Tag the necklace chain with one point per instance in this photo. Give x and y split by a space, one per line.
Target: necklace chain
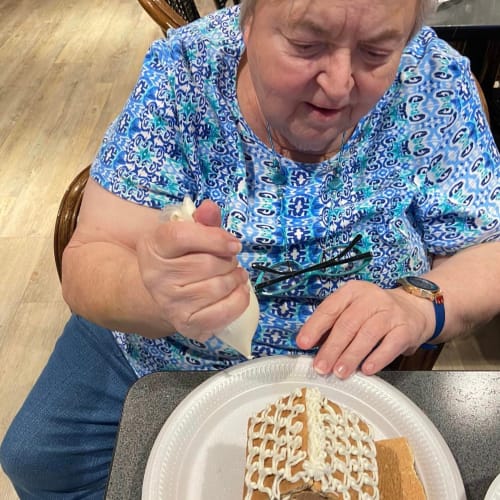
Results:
280 180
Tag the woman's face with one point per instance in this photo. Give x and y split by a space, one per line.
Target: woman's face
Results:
318 66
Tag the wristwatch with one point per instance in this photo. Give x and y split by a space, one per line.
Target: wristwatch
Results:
426 289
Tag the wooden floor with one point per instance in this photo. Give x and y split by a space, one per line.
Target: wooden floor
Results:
67 67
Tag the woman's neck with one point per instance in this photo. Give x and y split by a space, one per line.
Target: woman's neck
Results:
307 157
251 110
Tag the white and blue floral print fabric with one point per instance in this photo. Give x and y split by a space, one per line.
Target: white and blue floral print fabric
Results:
419 176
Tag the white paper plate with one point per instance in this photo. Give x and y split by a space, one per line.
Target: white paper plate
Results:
200 450
493 492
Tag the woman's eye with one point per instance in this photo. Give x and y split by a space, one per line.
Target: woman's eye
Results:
303 48
374 55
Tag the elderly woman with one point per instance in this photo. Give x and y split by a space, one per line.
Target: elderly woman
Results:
336 133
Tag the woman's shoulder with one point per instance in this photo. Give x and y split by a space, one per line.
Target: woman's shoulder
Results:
436 75
217 32
426 52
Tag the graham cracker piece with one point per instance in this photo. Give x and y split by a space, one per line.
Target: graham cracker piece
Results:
265 425
277 471
397 476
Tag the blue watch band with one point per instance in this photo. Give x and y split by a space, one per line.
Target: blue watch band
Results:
438 304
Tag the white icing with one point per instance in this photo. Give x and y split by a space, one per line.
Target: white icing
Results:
281 441
240 332
336 445
179 212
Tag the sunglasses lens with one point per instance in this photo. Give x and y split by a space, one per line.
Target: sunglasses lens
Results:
285 285
353 267
279 278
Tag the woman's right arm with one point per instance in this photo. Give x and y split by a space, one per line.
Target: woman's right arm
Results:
125 270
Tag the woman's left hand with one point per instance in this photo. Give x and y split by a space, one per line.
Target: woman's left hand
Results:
363 325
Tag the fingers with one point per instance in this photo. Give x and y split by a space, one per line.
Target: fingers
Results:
328 313
202 293
191 268
175 239
191 271
208 214
333 326
202 308
386 352
361 326
197 293
373 346
207 321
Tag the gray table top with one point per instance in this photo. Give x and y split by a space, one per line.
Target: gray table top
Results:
467 13
464 407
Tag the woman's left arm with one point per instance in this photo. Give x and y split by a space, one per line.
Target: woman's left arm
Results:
363 325
470 281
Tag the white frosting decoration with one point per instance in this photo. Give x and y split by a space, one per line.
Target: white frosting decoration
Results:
240 332
337 446
279 431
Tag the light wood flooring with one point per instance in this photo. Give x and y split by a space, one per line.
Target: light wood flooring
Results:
66 68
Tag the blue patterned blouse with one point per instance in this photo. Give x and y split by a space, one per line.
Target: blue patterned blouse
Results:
418 176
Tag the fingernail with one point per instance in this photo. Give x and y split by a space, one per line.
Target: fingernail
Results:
234 246
321 367
302 341
340 371
368 368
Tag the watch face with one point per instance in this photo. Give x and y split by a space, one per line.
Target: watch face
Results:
422 283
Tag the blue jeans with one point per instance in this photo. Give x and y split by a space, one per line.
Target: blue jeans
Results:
60 444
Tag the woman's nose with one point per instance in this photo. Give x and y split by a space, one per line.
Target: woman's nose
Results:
336 78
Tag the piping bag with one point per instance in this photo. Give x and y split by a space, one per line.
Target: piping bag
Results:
240 332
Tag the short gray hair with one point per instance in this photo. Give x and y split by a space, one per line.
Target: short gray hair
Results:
425 8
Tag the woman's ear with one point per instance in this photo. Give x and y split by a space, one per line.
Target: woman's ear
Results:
247 27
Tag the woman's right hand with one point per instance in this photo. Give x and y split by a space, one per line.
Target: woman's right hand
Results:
191 271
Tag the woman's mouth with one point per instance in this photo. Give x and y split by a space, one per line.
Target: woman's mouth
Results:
324 112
